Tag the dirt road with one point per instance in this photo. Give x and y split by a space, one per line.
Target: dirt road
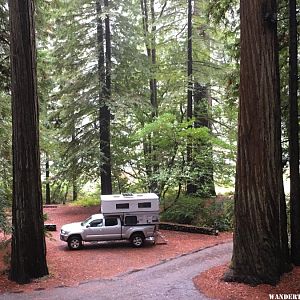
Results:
168 280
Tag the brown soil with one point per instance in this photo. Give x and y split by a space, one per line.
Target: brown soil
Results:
211 285
103 260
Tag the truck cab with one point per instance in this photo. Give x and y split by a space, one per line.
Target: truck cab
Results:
100 228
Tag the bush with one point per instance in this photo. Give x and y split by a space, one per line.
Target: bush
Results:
201 212
88 199
184 211
219 215
4 224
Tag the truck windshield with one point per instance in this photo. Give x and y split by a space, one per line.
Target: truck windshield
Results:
86 221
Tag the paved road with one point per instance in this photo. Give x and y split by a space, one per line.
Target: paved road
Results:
168 280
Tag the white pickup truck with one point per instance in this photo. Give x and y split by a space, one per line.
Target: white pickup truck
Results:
106 228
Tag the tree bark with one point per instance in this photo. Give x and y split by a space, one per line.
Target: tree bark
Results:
153 80
48 191
294 135
190 63
204 183
104 70
260 239
74 165
191 187
149 30
28 254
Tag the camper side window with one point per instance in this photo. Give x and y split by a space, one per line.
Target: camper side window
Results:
122 205
144 205
111 222
130 220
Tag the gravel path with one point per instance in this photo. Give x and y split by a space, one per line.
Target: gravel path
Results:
168 280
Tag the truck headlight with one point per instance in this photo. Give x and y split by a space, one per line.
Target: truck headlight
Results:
64 232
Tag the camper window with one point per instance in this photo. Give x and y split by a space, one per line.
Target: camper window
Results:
131 220
122 205
144 205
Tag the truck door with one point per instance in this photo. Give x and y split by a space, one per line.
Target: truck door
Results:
93 232
111 229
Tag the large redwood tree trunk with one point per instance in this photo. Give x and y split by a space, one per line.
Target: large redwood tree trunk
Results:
294 134
260 253
28 256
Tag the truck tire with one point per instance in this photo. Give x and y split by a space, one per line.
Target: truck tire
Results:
75 242
137 240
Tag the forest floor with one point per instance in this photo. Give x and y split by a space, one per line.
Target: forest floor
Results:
103 260
106 260
210 283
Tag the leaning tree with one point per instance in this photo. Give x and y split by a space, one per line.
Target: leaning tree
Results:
260 251
28 256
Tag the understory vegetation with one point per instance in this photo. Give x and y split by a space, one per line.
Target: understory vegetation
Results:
214 212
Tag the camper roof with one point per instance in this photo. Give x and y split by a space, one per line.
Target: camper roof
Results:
129 196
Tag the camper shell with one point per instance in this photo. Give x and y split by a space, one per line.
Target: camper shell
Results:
133 209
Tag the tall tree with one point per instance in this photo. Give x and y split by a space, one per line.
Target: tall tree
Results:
104 69
189 114
204 183
149 32
28 256
294 134
260 251
199 104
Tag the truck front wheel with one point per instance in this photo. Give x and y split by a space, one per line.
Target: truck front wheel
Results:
75 242
137 240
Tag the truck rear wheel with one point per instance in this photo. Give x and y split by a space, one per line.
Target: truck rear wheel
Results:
137 240
75 242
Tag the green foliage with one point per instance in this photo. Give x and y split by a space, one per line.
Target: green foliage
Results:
68 88
5 248
4 47
201 212
184 211
88 199
218 214
4 223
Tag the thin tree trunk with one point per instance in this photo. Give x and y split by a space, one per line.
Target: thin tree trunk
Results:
104 69
48 191
294 135
28 254
190 63
74 168
153 81
260 238
74 188
150 43
65 198
190 189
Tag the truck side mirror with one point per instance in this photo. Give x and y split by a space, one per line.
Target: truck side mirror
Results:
88 226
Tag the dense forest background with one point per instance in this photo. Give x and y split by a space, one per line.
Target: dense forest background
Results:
136 95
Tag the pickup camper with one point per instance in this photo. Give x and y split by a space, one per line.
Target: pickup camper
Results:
132 217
